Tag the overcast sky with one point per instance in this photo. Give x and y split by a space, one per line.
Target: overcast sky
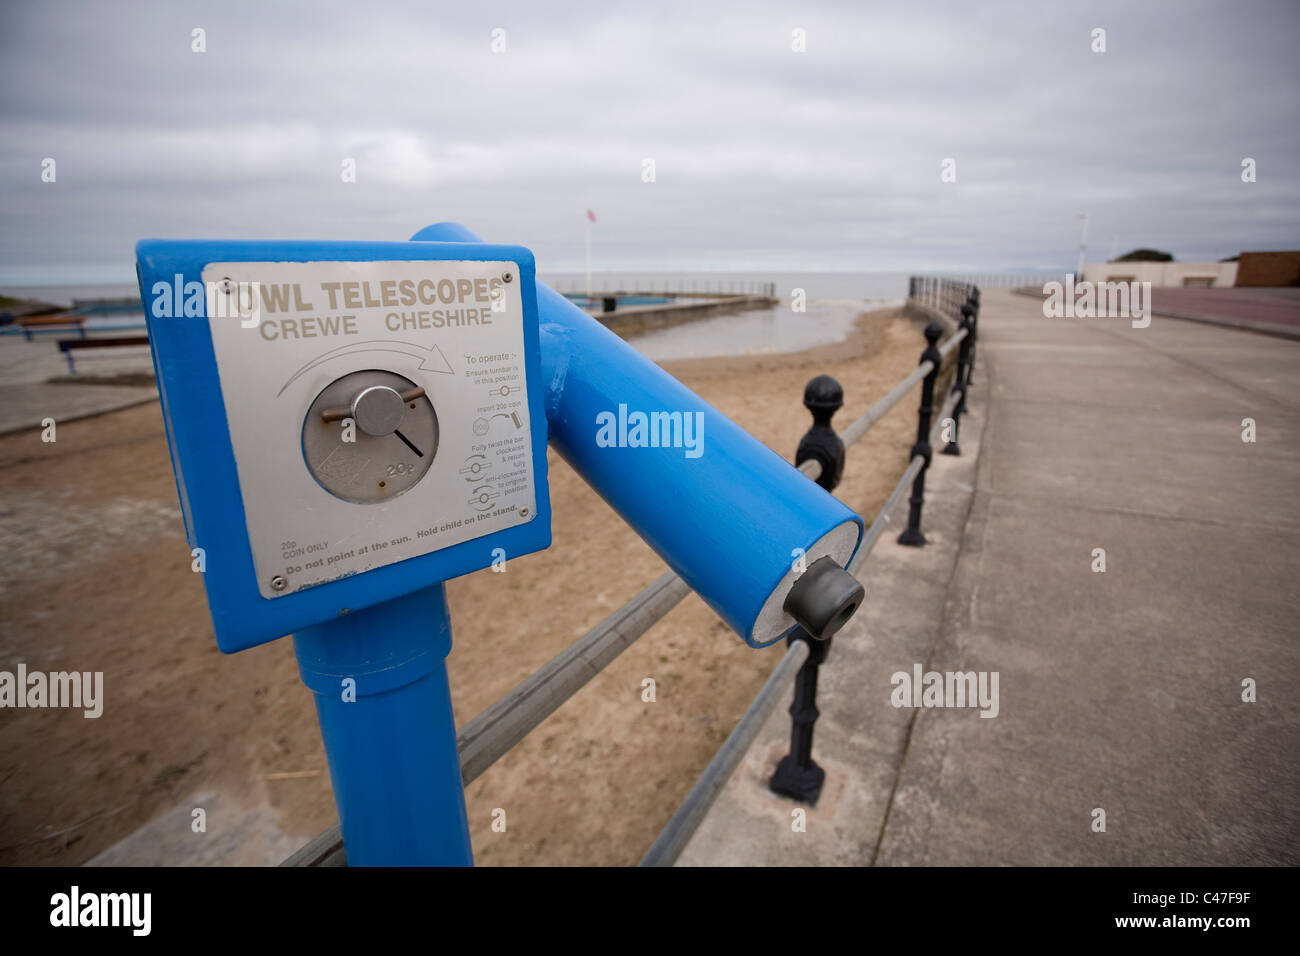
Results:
764 158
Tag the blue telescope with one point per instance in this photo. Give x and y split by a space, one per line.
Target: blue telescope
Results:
351 424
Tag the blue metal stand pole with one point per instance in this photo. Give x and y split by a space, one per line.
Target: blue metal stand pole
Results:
380 679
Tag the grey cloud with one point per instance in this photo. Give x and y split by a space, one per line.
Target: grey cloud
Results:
765 158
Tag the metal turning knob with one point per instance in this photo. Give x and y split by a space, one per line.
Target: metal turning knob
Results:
378 410
824 598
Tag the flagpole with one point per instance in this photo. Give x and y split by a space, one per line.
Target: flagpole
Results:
588 256
1083 247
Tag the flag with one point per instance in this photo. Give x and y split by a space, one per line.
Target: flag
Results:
591 215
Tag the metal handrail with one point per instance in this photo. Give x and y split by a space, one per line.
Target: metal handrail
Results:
683 824
491 734
673 838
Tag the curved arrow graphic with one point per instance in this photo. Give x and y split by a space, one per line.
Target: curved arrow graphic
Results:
431 359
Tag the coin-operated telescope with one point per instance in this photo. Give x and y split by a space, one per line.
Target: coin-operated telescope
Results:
353 423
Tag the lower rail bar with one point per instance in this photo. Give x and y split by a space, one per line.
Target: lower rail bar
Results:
665 850
483 740
489 735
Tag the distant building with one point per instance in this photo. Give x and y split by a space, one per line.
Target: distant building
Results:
1268 268
1203 274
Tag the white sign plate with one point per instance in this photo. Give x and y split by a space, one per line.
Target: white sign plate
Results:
453 328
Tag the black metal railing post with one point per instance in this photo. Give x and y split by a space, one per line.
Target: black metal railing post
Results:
959 380
912 535
797 775
974 334
823 397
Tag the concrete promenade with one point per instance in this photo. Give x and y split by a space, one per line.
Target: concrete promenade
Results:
1119 691
27 398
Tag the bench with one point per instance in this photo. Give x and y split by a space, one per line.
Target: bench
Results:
69 346
58 322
